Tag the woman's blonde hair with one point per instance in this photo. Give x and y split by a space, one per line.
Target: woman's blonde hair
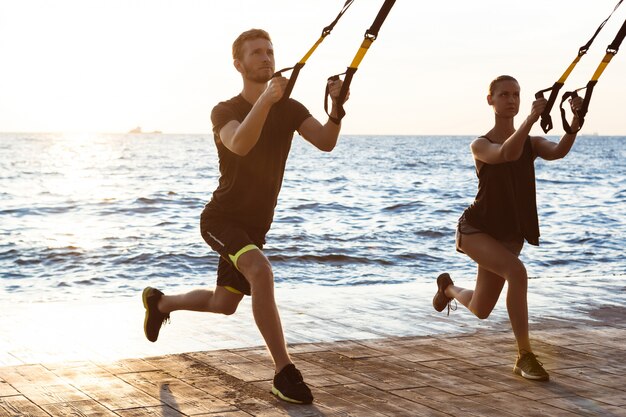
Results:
494 83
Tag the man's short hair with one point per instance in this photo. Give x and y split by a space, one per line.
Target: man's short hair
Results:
247 36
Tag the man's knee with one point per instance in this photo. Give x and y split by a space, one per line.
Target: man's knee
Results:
262 278
259 274
225 301
226 308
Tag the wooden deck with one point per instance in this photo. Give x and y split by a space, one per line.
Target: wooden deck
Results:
459 375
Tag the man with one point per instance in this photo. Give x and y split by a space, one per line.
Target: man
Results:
253 133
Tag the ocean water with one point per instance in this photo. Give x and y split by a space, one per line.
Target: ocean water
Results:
84 216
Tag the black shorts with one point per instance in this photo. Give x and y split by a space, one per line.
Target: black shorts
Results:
514 245
230 240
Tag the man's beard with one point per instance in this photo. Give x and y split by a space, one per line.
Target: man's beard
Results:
257 76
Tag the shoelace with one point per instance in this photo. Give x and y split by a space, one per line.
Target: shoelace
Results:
450 305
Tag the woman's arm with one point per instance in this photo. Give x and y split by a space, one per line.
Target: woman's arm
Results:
511 149
549 150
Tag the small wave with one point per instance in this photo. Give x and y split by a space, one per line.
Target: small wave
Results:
290 219
9 254
12 275
27 262
49 256
556 181
38 211
322 207
404 207
146 200
619 195
92 281
334 259
166 223
432 233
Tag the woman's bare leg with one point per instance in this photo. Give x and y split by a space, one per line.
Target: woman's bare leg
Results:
496 263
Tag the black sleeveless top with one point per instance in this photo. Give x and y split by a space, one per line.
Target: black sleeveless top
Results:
505 206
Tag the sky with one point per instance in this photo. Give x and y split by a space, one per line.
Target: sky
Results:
112 65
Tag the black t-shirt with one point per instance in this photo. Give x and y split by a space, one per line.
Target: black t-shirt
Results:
249 185
505 206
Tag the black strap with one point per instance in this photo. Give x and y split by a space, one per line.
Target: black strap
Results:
370 36
583 49
296 68
611 51
613 47
372 32
546 119
566 125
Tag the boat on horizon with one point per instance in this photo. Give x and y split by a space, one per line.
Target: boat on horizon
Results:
138 130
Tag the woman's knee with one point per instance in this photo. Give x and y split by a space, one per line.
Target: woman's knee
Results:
482 312
517 274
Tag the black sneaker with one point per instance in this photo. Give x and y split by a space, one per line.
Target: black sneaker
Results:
441 300
289 386
529 367
154 318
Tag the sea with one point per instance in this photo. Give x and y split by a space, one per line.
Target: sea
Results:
90 216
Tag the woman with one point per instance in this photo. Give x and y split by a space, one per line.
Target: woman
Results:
492 230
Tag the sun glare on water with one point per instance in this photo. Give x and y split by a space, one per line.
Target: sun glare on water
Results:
71 188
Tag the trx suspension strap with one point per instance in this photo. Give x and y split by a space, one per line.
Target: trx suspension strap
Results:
370 36
296 69
546 120
611 51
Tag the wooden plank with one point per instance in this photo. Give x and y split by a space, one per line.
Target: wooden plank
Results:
28 374
442 375
42 394
443 402
342 406
159 411
520 406
585 406
128 365
20 406
78 409
585 389
381 402
176 393
114 393
7 390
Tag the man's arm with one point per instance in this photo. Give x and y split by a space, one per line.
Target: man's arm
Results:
324 137
240 138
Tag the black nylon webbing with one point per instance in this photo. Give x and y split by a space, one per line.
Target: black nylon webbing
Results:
611 51
296 68
546 119
370 36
